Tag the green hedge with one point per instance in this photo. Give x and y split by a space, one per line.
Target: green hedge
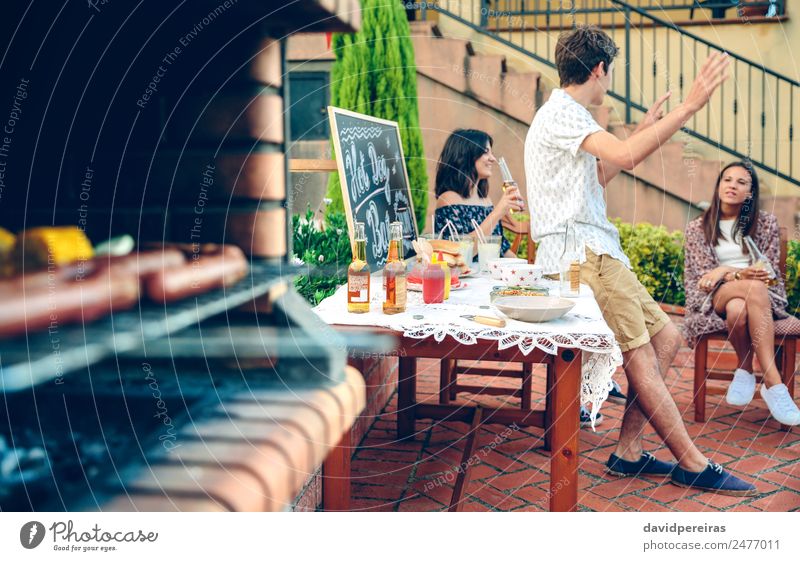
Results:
326 252
656 256
792 265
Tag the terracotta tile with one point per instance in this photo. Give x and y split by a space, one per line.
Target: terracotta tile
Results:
492 496
598 504
754 464
781 479
613 489
641 504
475 506
534 495
512 481
687 505
371 505
383 492
783 501
441 493
420 504
667 493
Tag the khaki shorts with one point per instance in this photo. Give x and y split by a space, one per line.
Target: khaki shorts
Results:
627 307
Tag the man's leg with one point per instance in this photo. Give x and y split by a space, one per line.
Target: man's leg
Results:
658 407
666 344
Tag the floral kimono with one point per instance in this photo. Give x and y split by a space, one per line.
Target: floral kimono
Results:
701 258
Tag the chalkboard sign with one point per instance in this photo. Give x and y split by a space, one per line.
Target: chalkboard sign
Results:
372 172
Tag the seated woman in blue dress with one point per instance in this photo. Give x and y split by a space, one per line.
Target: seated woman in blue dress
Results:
462 188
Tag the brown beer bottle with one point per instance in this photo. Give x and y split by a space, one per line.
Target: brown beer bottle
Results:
394 273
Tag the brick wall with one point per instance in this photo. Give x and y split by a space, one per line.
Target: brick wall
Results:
380 375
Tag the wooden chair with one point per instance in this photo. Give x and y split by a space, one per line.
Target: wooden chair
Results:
449 386
787 332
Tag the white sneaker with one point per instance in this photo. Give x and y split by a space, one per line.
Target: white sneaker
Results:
742 388
780 404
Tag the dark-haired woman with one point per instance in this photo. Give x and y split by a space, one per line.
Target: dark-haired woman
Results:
462 188
725 291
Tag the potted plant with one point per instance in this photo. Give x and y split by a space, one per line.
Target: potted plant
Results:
760 9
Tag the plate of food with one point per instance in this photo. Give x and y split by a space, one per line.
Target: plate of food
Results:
534 310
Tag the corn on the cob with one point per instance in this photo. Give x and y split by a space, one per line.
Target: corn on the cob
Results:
7 240
39 248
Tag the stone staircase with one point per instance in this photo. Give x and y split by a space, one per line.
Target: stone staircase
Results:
486 78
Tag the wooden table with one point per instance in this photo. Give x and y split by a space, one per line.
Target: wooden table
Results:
561 431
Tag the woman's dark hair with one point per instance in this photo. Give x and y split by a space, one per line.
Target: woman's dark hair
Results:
578 51
456 168
746 224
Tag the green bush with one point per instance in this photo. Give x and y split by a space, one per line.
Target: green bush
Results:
792 264
656 256
326 252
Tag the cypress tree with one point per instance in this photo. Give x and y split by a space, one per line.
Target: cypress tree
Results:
375 74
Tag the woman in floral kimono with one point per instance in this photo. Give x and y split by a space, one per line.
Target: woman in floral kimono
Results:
725 291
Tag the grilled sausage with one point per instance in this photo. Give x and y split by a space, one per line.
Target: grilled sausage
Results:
201 274
66 302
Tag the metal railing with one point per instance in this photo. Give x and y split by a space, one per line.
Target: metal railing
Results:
771 8
751 117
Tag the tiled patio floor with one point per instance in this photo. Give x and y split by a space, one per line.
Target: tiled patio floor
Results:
513 473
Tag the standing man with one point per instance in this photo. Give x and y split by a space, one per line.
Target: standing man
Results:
569 160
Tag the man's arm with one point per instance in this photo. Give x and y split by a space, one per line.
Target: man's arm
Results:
606 171
627 153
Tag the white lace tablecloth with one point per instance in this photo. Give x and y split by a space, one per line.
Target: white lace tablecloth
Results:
583 327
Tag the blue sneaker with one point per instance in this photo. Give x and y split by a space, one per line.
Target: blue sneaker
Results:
616 394
646 465
713 479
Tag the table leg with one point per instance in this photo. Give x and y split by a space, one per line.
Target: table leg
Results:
406 397
564 431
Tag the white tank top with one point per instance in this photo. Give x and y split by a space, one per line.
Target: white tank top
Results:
729 252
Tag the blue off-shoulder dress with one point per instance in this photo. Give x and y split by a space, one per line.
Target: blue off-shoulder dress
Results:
461 216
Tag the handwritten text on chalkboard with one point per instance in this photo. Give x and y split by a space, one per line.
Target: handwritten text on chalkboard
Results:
374 179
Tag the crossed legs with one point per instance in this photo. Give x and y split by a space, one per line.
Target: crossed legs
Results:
748 314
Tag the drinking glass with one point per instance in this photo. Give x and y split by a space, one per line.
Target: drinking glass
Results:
488 249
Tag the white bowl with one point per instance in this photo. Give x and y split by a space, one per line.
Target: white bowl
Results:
535 309
524 275
496 264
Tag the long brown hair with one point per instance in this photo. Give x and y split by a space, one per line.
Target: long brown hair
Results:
456 168
748 213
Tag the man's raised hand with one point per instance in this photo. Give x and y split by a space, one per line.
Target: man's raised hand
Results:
712 74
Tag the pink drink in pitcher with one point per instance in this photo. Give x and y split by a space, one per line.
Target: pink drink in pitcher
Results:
433 284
